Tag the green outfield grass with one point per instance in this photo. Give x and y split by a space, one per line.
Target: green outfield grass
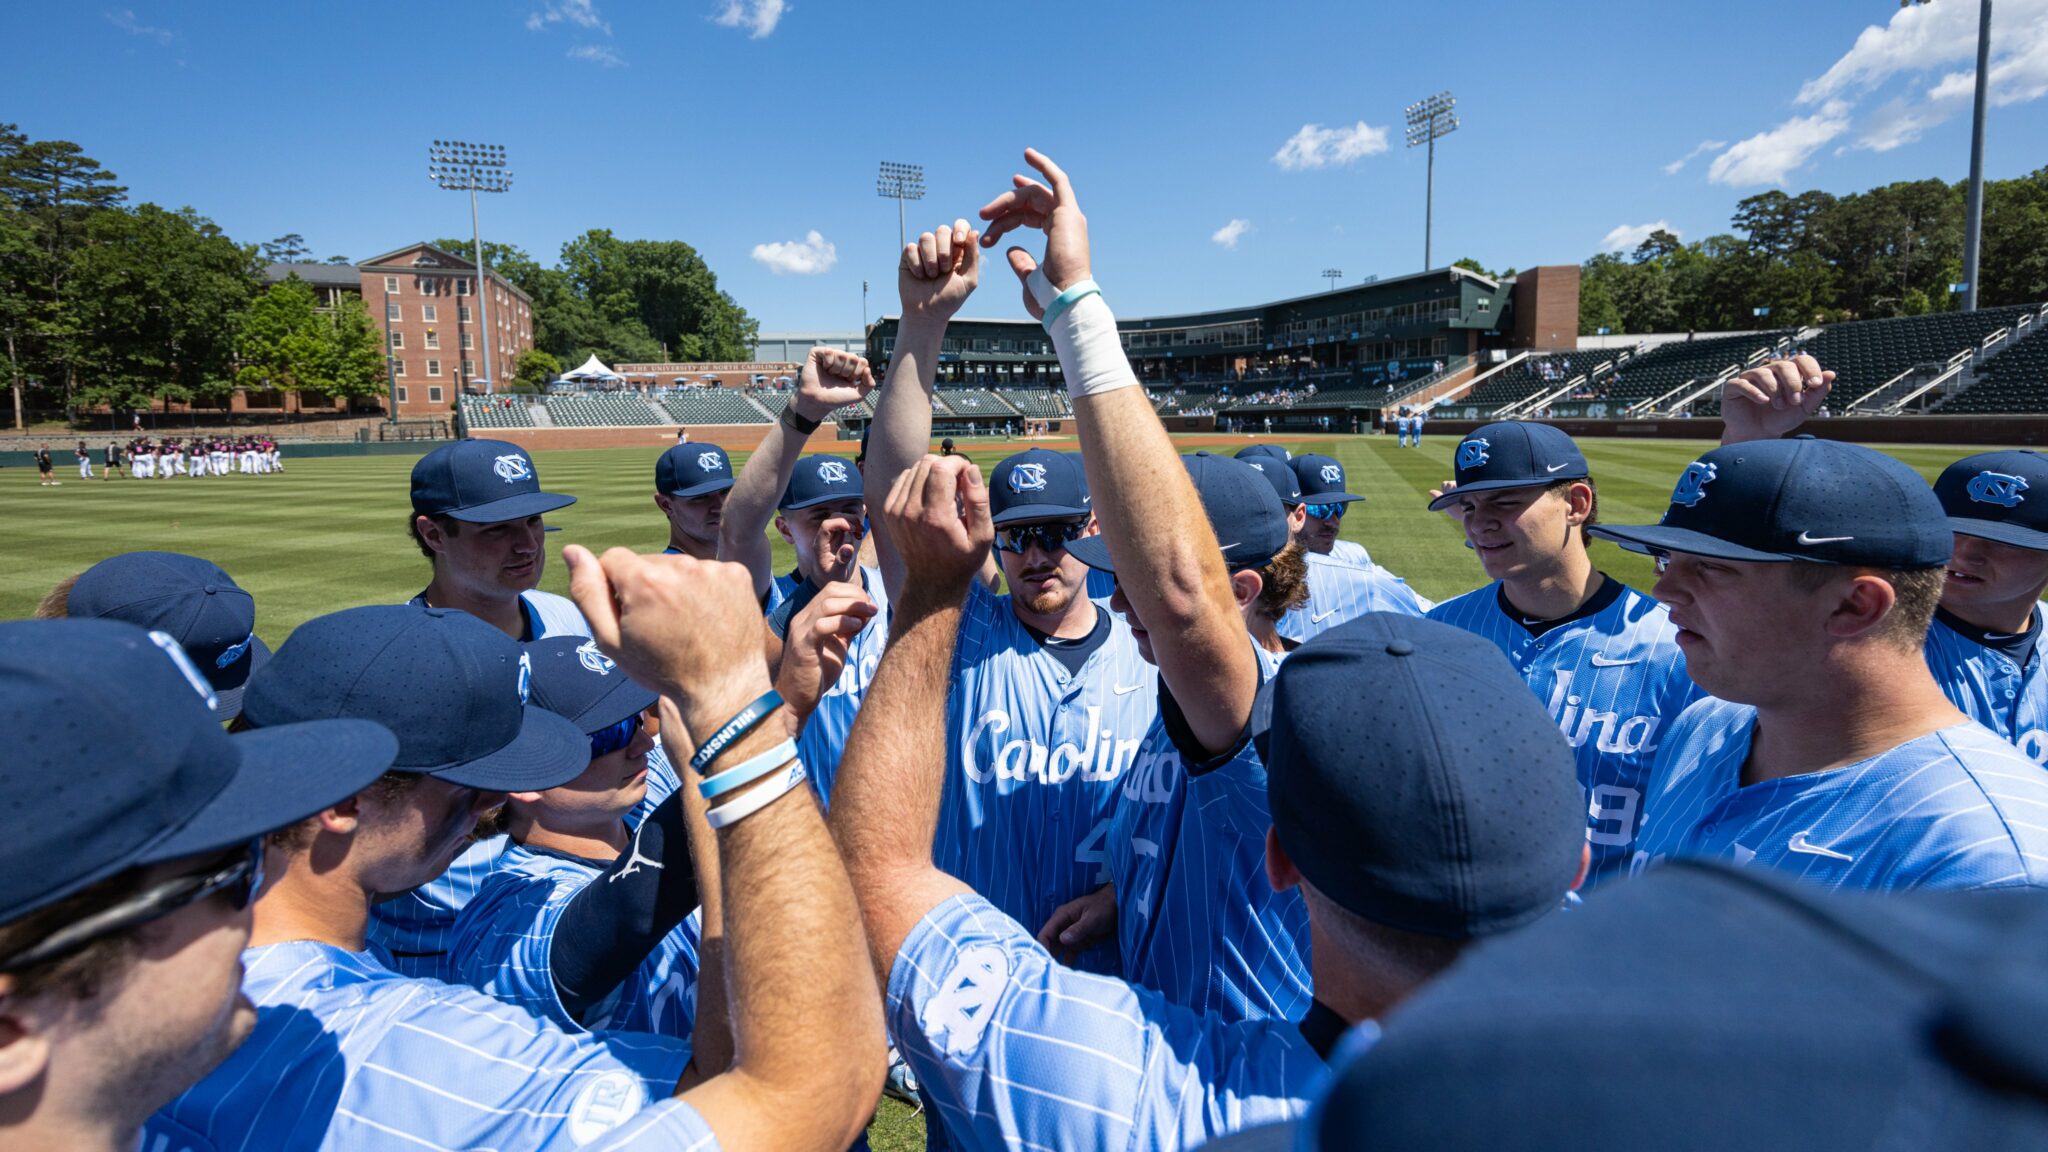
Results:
329 533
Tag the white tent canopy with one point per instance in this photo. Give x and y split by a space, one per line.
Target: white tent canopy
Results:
592 369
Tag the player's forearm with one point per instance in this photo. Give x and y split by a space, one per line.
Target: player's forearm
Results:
711 1031
751 504
902 430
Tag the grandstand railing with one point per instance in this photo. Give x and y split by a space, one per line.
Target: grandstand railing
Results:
1452 367
1875 397
1535 403
1956 366
1468 385
1722 377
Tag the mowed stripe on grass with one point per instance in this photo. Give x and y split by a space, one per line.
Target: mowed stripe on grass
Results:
329 533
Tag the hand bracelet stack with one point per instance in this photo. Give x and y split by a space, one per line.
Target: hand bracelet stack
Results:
779 758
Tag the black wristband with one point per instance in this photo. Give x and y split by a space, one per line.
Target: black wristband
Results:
796 422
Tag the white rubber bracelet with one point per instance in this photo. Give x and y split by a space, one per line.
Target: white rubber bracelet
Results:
734 811
1091 355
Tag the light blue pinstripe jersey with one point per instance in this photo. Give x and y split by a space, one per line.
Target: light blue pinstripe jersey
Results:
824 735
1016 1052
347 1054
504 945
1349 552
1614 682
1196 917
1992 690
1033 756
1957 808
1340 591
415 928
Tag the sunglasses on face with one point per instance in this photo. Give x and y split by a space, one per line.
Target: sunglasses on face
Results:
1049 537
1325 511
240 874
606 741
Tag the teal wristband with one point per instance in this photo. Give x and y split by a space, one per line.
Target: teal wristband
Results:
1074 294
748 772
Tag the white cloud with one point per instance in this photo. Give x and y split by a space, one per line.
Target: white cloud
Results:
126 20
758 17
1625 237
1770 157
806 257
1704 147
597 54
1230 233
1318 147
581 13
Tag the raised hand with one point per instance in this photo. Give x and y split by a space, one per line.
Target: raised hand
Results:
1772 399
938 520
830 380
1053 210
686 628
939 271
814 652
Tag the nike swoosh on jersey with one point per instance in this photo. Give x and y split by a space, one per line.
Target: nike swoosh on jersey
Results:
1809 538
1319 617
1601 661
1124 689
1799 843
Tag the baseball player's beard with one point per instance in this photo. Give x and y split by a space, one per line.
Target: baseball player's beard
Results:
1050 601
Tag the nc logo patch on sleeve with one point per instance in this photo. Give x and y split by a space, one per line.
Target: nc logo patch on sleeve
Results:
1472 453
966 1001
1997 488
512 468
1692 487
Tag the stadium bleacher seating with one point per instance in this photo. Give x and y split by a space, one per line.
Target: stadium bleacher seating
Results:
1047 405
773 399
1525 379
1652 373
976 403
2014 380
600 410
1865 354
496 412
713 406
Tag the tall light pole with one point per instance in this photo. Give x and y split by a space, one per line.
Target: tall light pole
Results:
1333 275
1427 120
461 167
900 182
1973 225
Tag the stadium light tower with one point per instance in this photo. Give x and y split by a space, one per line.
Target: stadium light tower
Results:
1973 225
1333 275
1427 121
461 167
900 182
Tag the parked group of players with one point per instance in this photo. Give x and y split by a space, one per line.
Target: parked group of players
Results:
1207 827
147 459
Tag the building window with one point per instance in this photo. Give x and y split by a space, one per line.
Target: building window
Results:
434 395
402 395
462 287
468 369
468 341
397 340
462 313
425 285
1485 305
391 283
433 367
433 340
430 314
394 312
397 367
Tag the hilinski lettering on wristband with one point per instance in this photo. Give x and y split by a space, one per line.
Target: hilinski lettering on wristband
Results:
733 729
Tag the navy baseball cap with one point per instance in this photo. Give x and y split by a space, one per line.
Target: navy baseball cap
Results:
481 482
572 678
1512 454
1277 473
1821 501
820 479
1322 479
1037 484
693 470
1273 450
1414 787
1998 496
1718 1008
189 599
116 760
453 689
1247 517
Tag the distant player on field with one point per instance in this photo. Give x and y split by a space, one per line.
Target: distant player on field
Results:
44 467
1602 656
690 486
1802 575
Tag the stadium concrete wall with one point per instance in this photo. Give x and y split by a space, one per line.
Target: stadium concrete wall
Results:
1985 430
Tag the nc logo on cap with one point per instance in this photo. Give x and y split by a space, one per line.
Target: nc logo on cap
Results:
1333 474
832 472
525 678
709 461
1256 464
588 655
1027 478
1692 487
1997 488
512 468
1472 453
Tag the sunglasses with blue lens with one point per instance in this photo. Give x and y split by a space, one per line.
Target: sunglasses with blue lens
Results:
1326 511
1050 538
606 741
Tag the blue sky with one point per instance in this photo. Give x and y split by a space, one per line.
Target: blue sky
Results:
746 126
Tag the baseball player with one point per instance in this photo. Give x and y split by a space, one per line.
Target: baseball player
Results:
1403 422
124 905
84 456
690 484
221 460
202 460
347 1053
1420 418
1802 575
113 461
1402 849
1602 656
44 476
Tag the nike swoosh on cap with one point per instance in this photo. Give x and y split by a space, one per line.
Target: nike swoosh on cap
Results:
1555 467
1806 537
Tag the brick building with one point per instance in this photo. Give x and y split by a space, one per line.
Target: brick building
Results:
433 324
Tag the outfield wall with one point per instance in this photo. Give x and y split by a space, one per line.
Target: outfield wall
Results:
2000 431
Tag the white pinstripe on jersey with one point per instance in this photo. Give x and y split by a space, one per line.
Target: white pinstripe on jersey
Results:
1956 808
1992 690
1349 552
824 734
1340 591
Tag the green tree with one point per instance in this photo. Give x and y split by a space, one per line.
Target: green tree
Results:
289 248
355 351
282 341
1471 265
534 368
2013 268
52 189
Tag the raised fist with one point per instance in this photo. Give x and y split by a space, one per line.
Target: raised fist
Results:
830 380
939 271
1772 399
1056 212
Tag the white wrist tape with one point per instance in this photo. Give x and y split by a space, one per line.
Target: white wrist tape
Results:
1091 355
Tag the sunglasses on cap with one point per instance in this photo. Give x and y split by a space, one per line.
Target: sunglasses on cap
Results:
606 741
239 873
1325 511
1053 537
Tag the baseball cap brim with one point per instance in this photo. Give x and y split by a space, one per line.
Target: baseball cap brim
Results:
549 751
1324 498
2000 532
511 508
1094 552
1443 501
825 499
1644 537
704 489
286 774
625 699
1024 512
